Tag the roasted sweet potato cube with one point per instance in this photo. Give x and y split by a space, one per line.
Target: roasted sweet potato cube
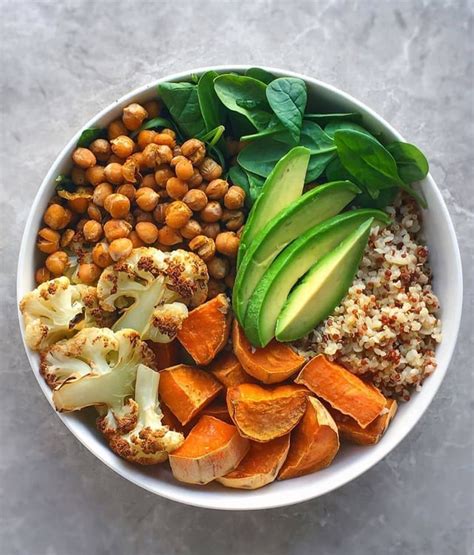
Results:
166 354
272 364
212 449
228 370
265 413
186 390
218 409
260 466
350 430
205 331
313 444
342 390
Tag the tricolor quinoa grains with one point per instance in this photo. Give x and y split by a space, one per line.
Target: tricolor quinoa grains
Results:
387 326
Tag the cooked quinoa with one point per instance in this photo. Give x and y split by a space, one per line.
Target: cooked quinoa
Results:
386 328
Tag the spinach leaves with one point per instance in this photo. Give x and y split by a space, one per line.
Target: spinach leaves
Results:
287 98
411 162
90 135
182 102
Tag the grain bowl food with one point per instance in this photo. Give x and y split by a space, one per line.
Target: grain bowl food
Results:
208 264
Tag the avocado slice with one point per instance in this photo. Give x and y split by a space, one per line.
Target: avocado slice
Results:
273 289
284 185
312 208
323 287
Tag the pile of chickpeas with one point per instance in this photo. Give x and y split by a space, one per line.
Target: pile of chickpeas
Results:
142 189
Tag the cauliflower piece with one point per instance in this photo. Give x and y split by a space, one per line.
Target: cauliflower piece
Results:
154 288
98 367
57 309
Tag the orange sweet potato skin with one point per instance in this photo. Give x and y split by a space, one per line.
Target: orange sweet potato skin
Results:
228 370
342 390
206 330
273 364
350 430
314 442
262 414
186 390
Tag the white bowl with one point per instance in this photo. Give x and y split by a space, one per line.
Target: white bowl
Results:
351 461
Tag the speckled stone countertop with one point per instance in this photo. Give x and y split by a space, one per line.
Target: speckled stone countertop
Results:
62 62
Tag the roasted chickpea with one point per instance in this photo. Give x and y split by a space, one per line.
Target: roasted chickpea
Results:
88 273
227 243
92 231
95 175
80 224
177 159
94 212
101 192
212 212
211 230
215 288
217 189
145 138
57 217
131 169
100 148
117 205
184 169
115 129
229 280
195 150
210 169
120 248
78 176
196 179
154 155
203 246
84 158
116 229
142 216
195 199
162 174
122 146
218 267
191 229
149 181
147 232
113 173
133 116
42 275
176 149
78 205
67 237
48 240
234 198
101 256
147 199
169 236
164 139
159 213
57 263
176 188
170 132
128 190
233 219
135 239
153 108
178 214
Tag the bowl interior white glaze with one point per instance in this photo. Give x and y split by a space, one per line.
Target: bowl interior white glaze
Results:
351 461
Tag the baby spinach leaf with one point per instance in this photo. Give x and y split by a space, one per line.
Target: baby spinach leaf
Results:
334 126
317 140
260 156
246 96
274 127
252 184
260 74
386 197
327 118
335 171
90 135
182 101
64 183
211 108
412 164
287 97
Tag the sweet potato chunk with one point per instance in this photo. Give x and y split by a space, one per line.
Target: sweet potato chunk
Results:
263 414
206 330
212 449
273 364
218 409
170 420
166 354
314 442
186 390
351 431
228 370
342 390
260 466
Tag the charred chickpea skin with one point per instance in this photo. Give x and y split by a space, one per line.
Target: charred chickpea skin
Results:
217 189
234 198
117 205
133 116
203 246
116 229
42 275
92 231
177 215
227 243
194 150
123 146
101 256
56 216
84 158
88 273
218 267
146 199
195 199
101 149
120 248
142 216
210 169
212 212
147 232
191 229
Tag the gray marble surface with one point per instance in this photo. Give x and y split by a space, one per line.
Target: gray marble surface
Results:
62 62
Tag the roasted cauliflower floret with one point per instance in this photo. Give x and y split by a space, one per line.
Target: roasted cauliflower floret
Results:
153 289
110 371
57 309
